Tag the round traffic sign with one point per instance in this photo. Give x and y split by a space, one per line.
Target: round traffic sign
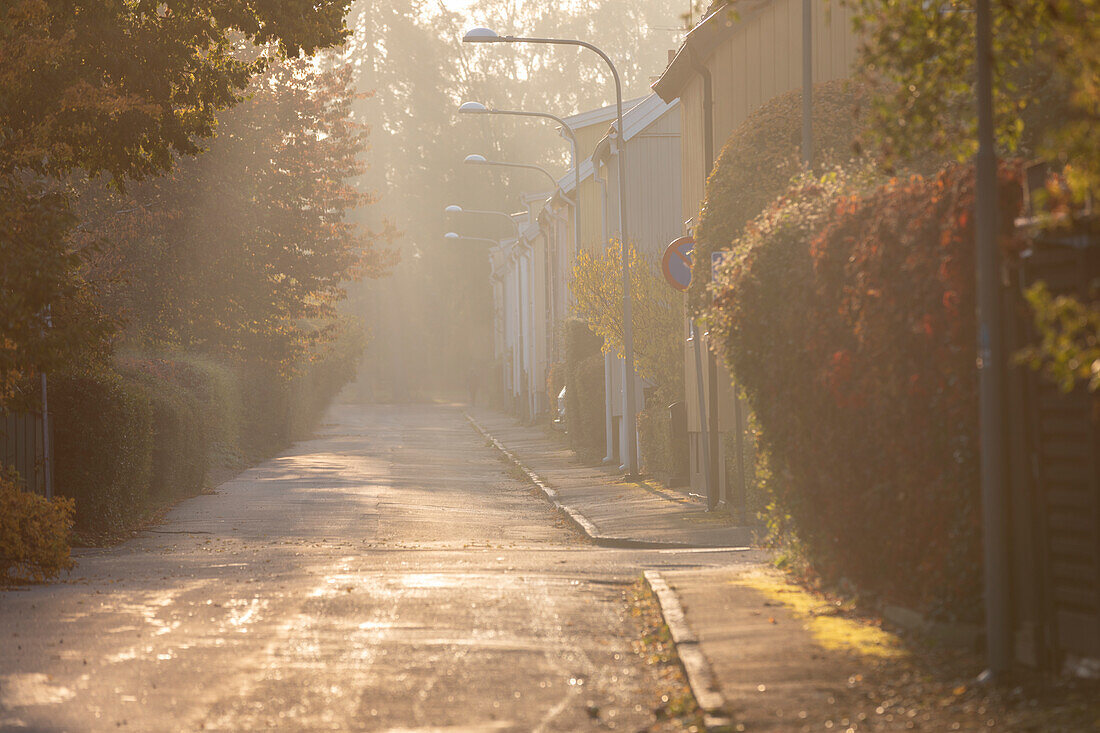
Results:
676 264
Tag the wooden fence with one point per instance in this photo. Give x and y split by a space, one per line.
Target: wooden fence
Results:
1054 477
21 448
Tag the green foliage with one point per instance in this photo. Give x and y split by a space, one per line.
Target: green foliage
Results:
1069 331
41 278
216 387
584 389
656 310
103 443
125 88
920 57
847 314
34 533
129 90
180 445
246 250
760 158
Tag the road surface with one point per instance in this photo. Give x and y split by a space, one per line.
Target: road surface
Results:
389 574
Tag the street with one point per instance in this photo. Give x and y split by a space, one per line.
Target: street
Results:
390 574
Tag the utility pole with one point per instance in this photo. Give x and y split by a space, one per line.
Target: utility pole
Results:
990 357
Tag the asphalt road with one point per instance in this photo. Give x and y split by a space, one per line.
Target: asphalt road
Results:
388 575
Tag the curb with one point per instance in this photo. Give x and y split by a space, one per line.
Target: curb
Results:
695 665
581 522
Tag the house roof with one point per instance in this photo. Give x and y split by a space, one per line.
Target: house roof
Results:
700 43
644 114
598 115
567 182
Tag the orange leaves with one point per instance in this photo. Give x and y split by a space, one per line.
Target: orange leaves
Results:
849 321
34 533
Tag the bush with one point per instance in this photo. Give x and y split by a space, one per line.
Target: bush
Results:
216 387
857 354
663 455
146 434
762 156
103 432
34 533
584 389
180 446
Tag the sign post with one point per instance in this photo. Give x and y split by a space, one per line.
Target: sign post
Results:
676 266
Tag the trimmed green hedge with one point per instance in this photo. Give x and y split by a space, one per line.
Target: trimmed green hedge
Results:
103 446
180 445
144 432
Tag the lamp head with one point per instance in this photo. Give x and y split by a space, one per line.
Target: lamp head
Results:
473 108
480 35
475 159
451 235
453 209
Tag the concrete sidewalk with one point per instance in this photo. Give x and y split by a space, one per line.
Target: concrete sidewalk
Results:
610 511
760 653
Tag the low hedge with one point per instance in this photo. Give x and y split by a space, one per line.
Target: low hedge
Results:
216 387
846 312
315 385
103 446
145 431
180 445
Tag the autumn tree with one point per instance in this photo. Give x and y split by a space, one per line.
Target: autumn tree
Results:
120 89
245 249
920 60
920 57
657 311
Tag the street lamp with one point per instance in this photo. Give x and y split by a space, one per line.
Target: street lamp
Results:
479 108
456 237
486 35
475 159
455 209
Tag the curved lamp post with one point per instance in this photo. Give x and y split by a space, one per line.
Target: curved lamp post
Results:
456 237
476 159
455 209
486 35
478 108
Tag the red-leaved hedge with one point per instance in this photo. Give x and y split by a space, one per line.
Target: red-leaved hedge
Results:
847 313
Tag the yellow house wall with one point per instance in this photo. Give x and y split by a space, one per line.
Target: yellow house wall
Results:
762 60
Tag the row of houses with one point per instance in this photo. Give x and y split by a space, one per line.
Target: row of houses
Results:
732 62
741 56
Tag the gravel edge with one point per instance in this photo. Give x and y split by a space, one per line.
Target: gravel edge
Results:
695 665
